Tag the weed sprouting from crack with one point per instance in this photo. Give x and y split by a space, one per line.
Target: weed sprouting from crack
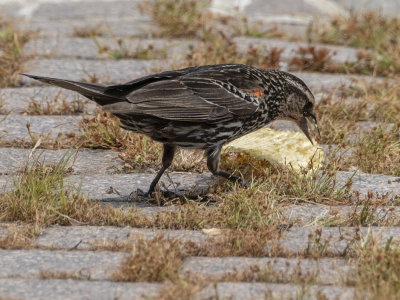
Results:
122 51
58 105
377 270
12 57
182 18
154 260
375 150
371 30
313 59
87 31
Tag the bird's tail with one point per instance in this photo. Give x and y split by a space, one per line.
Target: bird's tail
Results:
94 92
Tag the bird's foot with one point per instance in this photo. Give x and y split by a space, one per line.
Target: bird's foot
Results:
151 194
243 183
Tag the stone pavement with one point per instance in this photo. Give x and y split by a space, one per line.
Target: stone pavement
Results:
65 262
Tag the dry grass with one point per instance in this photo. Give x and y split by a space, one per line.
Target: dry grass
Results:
243 27
190 18
371 30
56 106
376 150
124 51
370 212
3 110
40 199
181 290
11 55
19 236
89 31
217 49
154 260
182 18
312 58
378 270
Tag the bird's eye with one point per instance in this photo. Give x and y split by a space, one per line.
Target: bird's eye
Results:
307 108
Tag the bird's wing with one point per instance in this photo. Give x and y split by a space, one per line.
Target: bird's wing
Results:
126 88
209 96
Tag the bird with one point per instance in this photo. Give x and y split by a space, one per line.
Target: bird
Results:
202 107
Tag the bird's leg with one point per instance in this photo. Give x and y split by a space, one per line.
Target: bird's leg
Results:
167 158
213 158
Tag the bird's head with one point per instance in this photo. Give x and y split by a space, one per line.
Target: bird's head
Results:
299 105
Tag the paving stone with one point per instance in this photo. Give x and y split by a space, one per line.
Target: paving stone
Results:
111 27
117 71
82 161
387 7
87 237
36 264
306 214
16 100
89 9
97 186
75 289
86 48
297 10
13 127
333 240
323 271
335 152
340 54
320 82
364 127
377 184
247 291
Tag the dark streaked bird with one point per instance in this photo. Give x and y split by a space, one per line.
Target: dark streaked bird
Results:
202 107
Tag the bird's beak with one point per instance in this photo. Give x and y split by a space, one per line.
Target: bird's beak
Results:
303 124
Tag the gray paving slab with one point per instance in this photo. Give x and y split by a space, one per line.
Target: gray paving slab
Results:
109 28
82 161
36 264
278 269
247 291
88 237
75 289
97 186
331 240
301 9
13 127
364 183
89 9
116 71
320 82
313 214
86 48
387 7
17 100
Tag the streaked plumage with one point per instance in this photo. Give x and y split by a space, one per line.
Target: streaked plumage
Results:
201 107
